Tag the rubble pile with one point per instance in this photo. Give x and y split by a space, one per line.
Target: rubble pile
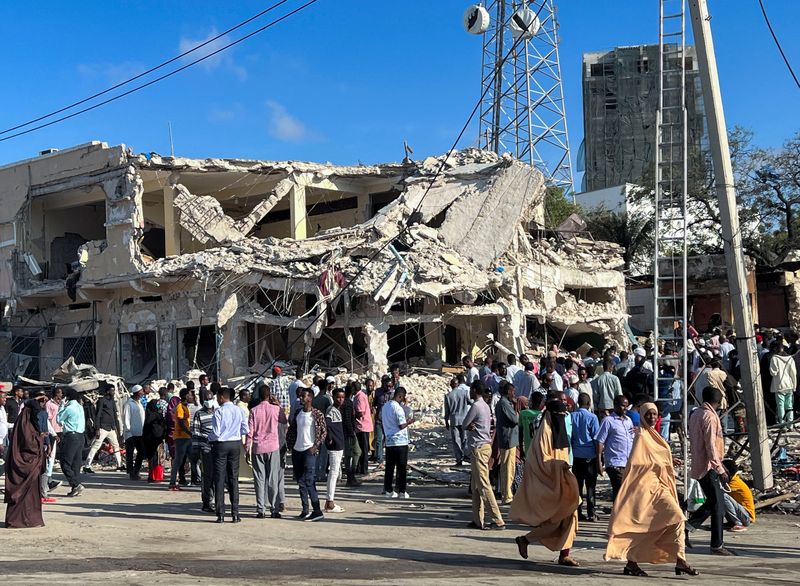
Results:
426 395
578 252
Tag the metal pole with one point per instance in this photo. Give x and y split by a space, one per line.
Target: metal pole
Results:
732 240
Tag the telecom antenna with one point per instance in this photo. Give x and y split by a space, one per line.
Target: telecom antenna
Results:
522 112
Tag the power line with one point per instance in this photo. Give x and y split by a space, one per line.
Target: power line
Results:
145 73
777 42
162 77
418 207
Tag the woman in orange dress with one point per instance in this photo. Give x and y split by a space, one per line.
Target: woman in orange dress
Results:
647 523
548 498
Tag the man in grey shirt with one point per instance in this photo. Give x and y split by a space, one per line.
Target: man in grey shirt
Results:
479 439
606 388
456 406
525 381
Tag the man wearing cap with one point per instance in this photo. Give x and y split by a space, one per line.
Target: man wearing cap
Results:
281 389
637 380
107 427
132 429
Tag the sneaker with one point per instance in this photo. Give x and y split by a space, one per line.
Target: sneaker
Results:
304 515
48 500
121 469
87 470
334 509
275 515
315 516
76 491
405 495
53 484
738 528
391 495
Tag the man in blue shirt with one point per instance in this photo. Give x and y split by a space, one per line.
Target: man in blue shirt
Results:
614 443
70 417
584 453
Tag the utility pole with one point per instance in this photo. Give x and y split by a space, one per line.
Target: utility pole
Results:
732 240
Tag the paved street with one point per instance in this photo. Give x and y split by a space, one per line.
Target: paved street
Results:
119 531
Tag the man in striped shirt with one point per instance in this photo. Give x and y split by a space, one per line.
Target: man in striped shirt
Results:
201 448
280 389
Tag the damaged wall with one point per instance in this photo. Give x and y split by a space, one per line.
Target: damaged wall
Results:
443 272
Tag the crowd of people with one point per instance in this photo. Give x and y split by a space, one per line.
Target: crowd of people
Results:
537 434
212 435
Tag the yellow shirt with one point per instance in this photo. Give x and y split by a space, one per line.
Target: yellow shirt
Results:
181 413
742 495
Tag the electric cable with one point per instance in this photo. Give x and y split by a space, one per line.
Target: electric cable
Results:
144 73
777 42
161 77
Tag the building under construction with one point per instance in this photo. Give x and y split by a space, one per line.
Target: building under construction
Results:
149 266
620 103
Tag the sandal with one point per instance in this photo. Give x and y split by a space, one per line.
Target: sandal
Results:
568 561
683 568
474 525
635 571
522 546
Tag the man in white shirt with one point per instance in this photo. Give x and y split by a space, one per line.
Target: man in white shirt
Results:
132 425
725 348
513 368
395 429
471 373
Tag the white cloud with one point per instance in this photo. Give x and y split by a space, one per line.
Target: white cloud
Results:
223 60
284 126
111 72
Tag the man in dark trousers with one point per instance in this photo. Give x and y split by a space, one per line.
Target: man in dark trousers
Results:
708 450
508 439
107 427
227 429
585 426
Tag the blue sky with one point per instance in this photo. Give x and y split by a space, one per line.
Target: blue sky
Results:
344 81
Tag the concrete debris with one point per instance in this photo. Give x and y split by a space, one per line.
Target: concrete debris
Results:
203 217
430 258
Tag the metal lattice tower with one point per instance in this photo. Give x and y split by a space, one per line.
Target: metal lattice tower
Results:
671 187
523 106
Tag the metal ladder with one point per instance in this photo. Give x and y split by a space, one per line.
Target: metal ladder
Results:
671 186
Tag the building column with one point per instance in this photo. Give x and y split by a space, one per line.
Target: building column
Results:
434 333
172 229
376 336
297 209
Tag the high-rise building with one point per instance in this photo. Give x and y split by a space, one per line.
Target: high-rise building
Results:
620 101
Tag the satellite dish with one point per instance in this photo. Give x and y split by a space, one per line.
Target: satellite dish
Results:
524 23
476 19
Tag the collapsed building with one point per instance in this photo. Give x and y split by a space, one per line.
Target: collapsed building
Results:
149 266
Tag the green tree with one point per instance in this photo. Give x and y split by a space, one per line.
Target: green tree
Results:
633 231
557 207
